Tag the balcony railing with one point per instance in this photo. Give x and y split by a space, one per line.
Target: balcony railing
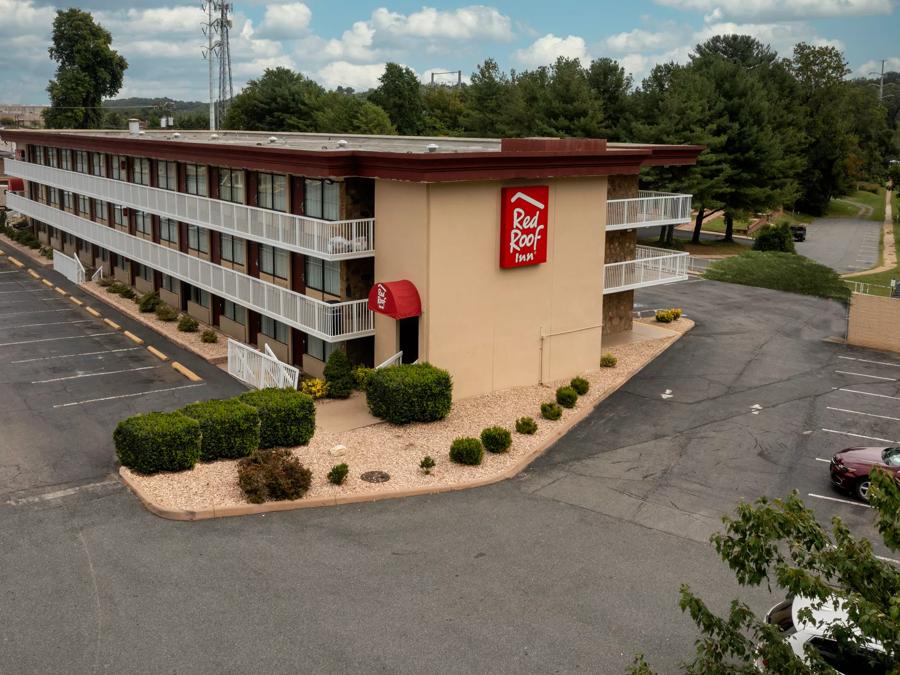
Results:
651 267
648 209
326 239
330 322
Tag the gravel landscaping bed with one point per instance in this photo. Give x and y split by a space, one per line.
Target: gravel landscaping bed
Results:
399 449
30 254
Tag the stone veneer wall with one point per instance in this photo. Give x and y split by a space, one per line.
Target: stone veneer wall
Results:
622 187
617 308
620 246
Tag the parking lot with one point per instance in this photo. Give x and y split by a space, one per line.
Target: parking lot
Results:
67 377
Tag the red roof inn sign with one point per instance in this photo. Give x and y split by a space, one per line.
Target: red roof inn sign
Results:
523 225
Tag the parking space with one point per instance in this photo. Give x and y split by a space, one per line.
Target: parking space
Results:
67 376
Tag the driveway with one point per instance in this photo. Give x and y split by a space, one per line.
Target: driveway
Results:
573 566
843 244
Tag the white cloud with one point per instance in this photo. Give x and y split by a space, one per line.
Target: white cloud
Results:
639 40
768 10
780 36
355 43
346 74
466 23
869 67
286 21
545 50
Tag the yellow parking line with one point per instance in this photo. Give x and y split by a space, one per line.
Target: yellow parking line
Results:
91 310
75 300
47 283
158 354
134 338
111 324
16 262
33 273
60 291
187 372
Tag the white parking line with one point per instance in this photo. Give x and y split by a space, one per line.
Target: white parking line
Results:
40 311
869 393
879 363
857 412
104 372
842 501
140 393
57 494
54 323
874 377
69 356
72 337
868 438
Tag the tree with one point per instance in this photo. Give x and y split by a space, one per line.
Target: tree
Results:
196 120
612 87
88 70
347 113
781 541
400 96
491 102
571 109
281 100
445 109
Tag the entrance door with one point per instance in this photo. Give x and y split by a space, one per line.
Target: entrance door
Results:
409 339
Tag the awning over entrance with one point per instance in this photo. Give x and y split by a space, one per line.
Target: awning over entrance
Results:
397 299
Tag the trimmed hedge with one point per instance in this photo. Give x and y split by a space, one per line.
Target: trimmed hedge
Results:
526 425
270 475
409 393
339 375
580 385
230 428
467 451
551 411
158 441
496 439
287 417
566 397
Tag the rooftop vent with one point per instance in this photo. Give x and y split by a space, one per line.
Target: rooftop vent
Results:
342 143
176 135
134 126
273 139
432 147
213 137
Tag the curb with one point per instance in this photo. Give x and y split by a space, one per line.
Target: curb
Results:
270 507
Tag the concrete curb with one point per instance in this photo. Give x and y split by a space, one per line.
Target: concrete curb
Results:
27 252
269 507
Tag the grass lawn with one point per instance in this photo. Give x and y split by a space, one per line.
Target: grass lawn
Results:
705 247
780 272
848 207
717 224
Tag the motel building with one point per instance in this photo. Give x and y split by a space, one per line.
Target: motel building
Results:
504 261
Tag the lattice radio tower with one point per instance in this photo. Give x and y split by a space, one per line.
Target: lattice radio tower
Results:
217 49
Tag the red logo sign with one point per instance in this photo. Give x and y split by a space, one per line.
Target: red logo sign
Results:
523 226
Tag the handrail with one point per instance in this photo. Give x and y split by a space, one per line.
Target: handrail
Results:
648 209
651 267
98 274
391 361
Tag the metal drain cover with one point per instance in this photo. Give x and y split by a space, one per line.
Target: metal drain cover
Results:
376 477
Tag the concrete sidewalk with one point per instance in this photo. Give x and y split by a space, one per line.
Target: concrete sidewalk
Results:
336 415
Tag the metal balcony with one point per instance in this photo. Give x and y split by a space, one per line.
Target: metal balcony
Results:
648 209
651 267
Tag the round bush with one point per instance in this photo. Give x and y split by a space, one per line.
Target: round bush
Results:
467 451
230 428
339 375
287 417
608 361
496 439
166 313
338 474
409 393
269 475
580 385
149 302
158 441
526 425
566 397
550 411
188 324
361 376
209 336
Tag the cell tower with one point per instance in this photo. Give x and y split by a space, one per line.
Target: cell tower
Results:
216 31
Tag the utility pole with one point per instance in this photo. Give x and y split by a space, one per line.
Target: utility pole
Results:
458 74
881 82
216 30
209 30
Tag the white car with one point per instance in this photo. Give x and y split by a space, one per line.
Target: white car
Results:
870 660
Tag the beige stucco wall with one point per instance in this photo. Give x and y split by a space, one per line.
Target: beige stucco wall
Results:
494 328
312 366
281 350
199 312
874 322
171 299
233 329
142 285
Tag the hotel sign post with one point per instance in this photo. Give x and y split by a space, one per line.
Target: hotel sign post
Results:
523 226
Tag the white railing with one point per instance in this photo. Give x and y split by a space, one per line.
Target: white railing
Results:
259 369
97 275
866 288
395 360
651 267
330 240
330 322
70 268
648 209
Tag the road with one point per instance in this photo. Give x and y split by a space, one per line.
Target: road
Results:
572 566
843 244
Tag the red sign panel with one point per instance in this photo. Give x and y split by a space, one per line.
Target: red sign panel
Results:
523 225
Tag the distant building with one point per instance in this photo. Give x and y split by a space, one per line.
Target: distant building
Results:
22 115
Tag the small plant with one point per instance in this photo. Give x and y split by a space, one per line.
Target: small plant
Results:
361 376
315 387
116 287
209 336
496 439
46 252
467 451
339 375
566 397
166 313
338 474
269 475
580 385
668 315
129 293
149 302
188 324
106 282
550 411
526 425
427 464
608 361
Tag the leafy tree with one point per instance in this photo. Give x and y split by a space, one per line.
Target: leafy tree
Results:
781 541
491 102
445 109
612 86
88 70
192 120
281 100
400 96
570 108
350 114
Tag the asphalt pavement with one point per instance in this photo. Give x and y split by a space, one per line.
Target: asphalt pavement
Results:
843 244
573 566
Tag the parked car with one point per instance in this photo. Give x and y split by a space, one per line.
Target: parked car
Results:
798 232
850 468
869 660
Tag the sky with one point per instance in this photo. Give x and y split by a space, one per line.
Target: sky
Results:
347 43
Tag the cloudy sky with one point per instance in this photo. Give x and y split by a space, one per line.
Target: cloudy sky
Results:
347 43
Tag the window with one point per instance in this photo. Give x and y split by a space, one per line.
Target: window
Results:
52 157
145 273
166 175
234 312
272 192
199 297
100 210
274 329
67 200
142 223
273 261
233 249
83 205
171 284
81 161
118 216
198 238
66 159
37 154
323 199
168 230
318 348
53 194
231 185
323 275
98 164
118 165
140 172
195 179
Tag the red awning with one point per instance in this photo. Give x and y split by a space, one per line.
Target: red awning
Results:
397 299
15 185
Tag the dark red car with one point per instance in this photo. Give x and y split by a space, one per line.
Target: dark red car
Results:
850 468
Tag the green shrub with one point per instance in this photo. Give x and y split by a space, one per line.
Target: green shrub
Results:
129 293
339 375
496 439
166 313
315 387
580 385
188 324
149 302
427 464
409 393
668 315
106 282
230 428
117 287
338 474
550 411
287 417
526 425
608 361
209 336
566 397
361 376
270 475
158 441
775 238
467 451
